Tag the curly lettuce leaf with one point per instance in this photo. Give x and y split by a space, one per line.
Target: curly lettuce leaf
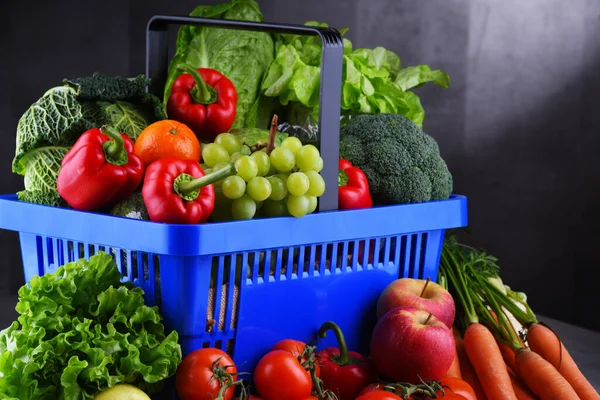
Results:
80 331
373 82
376 63
242 56
416 76
290 79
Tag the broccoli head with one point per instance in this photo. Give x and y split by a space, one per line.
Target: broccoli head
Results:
402 163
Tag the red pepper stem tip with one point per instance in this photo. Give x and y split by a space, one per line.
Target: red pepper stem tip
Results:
344 358
201 93
342 178
114 149
187 188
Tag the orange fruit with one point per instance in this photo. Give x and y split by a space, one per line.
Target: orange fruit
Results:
167 138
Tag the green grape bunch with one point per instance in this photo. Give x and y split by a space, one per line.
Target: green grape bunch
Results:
270 182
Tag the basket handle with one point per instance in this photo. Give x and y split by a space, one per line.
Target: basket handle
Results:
157 61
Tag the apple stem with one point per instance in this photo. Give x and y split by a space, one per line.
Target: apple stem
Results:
344 358
425 287
428 318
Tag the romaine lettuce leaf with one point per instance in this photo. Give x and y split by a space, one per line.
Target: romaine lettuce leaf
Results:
80 331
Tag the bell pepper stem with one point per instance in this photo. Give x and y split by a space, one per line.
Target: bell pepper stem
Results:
191 186
344 358
114 149
342 178
201 92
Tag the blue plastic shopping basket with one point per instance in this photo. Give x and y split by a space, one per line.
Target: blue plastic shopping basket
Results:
244 285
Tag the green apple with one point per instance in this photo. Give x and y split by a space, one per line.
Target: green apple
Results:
122 391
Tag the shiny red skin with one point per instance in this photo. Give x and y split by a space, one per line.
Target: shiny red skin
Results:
345 381
195 376
87 181
167 206
206 120
295 347
355 194
405 349
279 375
380 395
453 385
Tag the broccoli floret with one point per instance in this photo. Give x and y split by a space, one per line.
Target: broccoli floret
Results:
402 163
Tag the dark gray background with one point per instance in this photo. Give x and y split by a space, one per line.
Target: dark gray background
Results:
518 127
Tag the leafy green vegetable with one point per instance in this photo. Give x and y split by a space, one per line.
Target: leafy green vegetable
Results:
373 81
39 197
242 56
80 331
125 117
290 79
101 87
54 120
414 77
41 168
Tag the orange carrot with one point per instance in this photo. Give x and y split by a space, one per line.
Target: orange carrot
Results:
508 354
467 371
542 378
521 390
489 365
454 370
545 343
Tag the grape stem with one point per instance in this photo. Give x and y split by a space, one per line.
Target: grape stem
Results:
272 132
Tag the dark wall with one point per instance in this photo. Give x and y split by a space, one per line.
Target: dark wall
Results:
519 126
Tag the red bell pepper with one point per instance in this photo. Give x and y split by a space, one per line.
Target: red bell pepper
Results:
100 169
353 193
344 373
203 99
177 191
353 187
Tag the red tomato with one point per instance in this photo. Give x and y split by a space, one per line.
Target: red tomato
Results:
279 375
253 397
451 396
379 395
456 386
194 380
371 388
294 347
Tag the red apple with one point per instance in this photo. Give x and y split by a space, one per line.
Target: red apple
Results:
423 295
408 345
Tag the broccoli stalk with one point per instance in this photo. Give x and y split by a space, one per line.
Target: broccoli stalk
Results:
402 163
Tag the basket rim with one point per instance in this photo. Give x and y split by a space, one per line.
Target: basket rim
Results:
233 236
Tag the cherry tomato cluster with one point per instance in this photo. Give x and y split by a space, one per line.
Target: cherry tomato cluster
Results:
293 370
